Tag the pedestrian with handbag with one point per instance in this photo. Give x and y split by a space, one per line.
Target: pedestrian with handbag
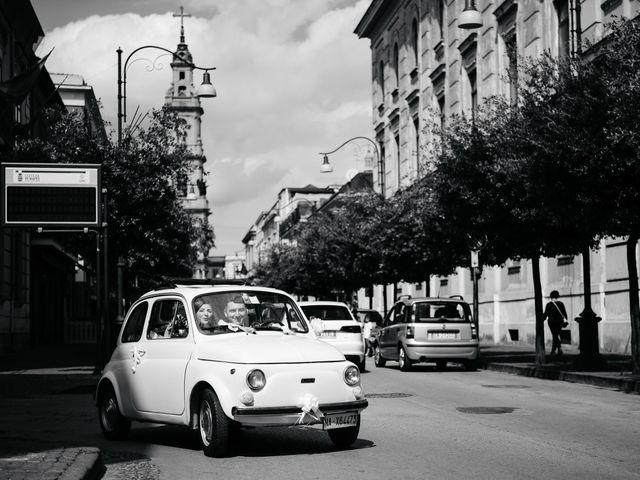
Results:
556 316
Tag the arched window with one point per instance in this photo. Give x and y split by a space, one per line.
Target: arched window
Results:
396 64
381 80
415 35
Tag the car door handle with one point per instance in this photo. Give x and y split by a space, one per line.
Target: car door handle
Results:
141 351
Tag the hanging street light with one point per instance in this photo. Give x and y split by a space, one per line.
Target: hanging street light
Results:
470 17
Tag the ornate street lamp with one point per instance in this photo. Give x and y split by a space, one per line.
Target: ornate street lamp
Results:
326 167
470 17
205 90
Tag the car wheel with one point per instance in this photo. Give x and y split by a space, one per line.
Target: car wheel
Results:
403 360
377 357
441 364
345 437
213 426
114 426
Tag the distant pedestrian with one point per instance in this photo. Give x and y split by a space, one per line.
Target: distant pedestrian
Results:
556 316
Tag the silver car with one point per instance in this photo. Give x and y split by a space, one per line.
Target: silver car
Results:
424 329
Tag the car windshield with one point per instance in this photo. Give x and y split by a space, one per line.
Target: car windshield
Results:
327 312
438 311
247 311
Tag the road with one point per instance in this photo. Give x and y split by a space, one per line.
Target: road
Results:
422 424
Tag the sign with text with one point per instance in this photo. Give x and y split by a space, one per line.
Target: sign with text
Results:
51 194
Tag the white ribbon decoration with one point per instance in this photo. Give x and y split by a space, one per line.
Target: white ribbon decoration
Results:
137 357
310 406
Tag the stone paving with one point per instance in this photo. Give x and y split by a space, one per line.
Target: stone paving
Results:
55 464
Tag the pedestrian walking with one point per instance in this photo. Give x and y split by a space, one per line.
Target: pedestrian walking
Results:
556 316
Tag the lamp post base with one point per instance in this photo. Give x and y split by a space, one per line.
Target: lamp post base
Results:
589 357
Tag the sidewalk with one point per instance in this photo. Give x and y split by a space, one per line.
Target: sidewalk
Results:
520 360
44 372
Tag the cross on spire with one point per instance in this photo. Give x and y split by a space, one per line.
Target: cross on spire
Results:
181 15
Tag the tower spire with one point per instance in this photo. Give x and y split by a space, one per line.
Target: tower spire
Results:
181 15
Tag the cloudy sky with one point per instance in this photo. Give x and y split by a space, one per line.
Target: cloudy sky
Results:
292 80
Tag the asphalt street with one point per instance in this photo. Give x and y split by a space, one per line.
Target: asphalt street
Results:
419 424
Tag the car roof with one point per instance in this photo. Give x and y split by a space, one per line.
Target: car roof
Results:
192 291
321 302
414 300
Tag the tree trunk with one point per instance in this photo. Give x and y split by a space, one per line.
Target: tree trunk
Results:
427 287
634 303
537 302
384 298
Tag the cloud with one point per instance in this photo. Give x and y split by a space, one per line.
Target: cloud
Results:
292 80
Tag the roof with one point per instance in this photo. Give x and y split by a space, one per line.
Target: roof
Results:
192 291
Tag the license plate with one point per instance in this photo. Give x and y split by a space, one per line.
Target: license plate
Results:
328 334
442 336
340 420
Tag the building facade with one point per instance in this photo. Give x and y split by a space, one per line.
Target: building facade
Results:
26 89
425 69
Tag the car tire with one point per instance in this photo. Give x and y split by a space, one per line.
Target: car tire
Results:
345 437
377 357
403 361
213 426
441 364
114 426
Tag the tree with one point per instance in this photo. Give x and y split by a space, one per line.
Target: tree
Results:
148 226
336 249
617 61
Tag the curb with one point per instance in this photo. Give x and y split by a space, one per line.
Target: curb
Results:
625 385
72 463
88 465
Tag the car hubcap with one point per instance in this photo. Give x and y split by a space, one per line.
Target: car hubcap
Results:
206 423
377 354
109 413
401 359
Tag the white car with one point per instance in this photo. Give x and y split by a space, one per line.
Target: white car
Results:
217 358
334 323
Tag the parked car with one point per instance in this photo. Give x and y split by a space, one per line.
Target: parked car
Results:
217 358
428 330
334 323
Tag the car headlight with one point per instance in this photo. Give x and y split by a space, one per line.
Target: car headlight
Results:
352 375
256 380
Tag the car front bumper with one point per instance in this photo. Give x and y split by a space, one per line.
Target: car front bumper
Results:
291 415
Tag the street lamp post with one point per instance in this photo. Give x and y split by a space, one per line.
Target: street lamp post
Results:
205 90
326 167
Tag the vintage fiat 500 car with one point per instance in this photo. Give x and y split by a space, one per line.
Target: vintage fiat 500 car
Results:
217 358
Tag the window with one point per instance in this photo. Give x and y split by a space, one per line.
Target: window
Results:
133 330
562 14
473 87
182 90
396 65
168 320
396 140
181 75
381 80
511 46
441 106
415 36
382 168
440 17
416 133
